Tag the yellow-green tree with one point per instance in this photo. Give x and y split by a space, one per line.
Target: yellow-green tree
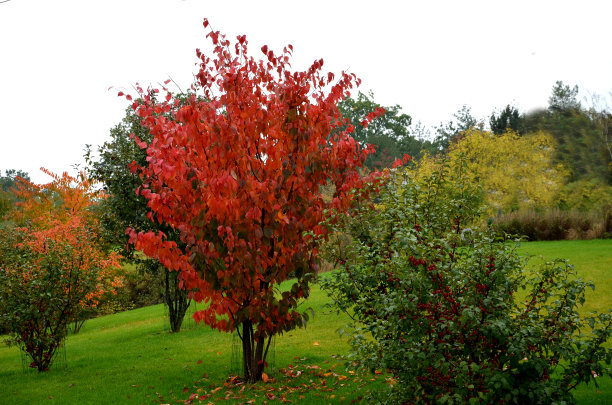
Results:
515 172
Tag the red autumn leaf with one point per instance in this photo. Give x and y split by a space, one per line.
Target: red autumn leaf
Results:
192 397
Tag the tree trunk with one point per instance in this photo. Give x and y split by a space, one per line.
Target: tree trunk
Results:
77 324
176 299
254 353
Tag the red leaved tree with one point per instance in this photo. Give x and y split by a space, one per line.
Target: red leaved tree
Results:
237 169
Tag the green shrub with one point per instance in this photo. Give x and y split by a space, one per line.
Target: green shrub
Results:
553 224
434 303
140 289
586 196
48 279
607 222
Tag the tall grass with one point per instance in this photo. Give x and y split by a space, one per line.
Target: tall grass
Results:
555 224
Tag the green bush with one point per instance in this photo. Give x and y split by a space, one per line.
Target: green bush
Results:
140 289
608 222
47 280
586 196
553 224
435 303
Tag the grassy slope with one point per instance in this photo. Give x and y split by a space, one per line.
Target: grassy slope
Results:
130 358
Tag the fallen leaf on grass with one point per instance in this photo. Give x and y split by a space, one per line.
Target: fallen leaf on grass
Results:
232 380
315 344
191 398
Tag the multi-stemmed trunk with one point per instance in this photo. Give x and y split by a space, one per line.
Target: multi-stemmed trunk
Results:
41 339
177 300
253 352
77 324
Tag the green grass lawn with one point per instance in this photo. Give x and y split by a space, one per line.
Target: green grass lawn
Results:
593 261
130 358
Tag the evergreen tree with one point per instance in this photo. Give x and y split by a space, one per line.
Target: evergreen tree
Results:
453 129
508 119
578 135
563 97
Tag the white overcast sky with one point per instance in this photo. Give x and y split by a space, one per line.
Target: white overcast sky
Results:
58 58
